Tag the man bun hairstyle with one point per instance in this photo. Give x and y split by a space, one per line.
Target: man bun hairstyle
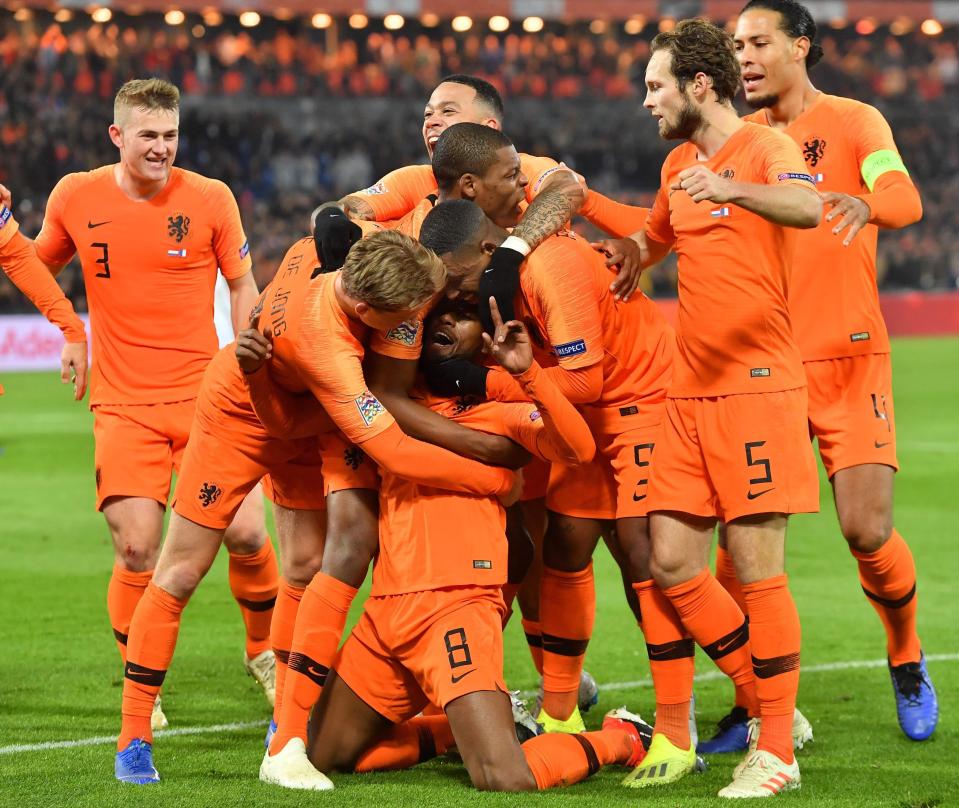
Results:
795 21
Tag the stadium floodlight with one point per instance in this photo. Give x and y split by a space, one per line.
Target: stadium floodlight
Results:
23 15
532 25
212 18
249 19
666 24
901 26
499 23
866 26
174 17
429 20
838 23
634 25
321 20
198 31
931 27
597 27
393 22
101 14
358 21
462 23
63 15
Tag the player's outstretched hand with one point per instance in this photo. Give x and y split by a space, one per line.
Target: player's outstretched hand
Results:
6 197
622 254
73 366
854 211
509 345
334 234
253 349
703 185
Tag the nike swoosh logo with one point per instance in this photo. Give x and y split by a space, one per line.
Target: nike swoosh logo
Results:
91 225
751 495
455 679
139 674
314 671
879 445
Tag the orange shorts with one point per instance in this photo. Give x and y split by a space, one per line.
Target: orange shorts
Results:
138 446
851 411
614 484
410 650
734 456
535 479
346 465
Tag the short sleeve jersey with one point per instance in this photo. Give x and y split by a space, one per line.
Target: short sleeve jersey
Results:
149 268
734 333
423 544
575 322
833 296
317 348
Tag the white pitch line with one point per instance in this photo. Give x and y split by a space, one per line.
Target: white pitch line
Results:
708 676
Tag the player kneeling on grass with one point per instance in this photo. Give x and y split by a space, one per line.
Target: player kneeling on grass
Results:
431 631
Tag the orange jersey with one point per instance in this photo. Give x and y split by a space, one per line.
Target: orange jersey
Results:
833 297
149 269
431 538
734 334
403 189
575 322
318 349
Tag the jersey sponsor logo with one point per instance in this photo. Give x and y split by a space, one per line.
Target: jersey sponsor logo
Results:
245 249
574 348
534 415
5 214
178 226
720 213
369 407
176 253
813 150
795 175
376 190
632 409
482 564
859 336
404 333
209 493
759 373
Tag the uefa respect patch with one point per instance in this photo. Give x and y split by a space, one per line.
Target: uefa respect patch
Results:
574 348
369 407
795 175
5 215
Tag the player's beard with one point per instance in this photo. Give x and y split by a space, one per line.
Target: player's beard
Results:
763 102
690 119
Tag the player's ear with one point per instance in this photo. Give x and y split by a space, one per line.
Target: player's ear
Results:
116 135
801 48
488 246
361 308
467 186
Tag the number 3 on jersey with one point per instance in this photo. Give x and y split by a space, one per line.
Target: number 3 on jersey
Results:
104 259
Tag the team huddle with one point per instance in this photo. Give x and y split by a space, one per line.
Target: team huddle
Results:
444 380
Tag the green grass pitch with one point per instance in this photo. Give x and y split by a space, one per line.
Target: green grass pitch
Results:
60 678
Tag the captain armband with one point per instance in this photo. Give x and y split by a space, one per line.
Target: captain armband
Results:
881 162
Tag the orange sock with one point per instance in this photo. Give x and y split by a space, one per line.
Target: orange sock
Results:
319 627
123 594
414 741
281 635
557 759
567 613
774 637
509 595
717 624
726 575
671 662
534 639
888 577
254 580
153 633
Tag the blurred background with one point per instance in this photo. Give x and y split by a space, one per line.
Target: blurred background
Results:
293 106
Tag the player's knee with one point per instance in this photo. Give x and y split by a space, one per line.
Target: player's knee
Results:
494 775
348 554
299 571
669 568
564 549
866 533
136 554
245 537
180 580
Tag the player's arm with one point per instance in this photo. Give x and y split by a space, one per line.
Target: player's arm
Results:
789 204
391 380
615 218
243 294
393 196
564 436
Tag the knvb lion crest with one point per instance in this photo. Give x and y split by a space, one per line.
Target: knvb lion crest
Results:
209 493
813 150
353 457
178 226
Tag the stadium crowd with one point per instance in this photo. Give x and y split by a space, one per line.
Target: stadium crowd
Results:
289 116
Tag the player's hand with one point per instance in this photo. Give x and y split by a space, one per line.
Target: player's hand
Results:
253 349
500 280
455 377
6 196
334 234
703 185
358 208
73 364
624 254
509 345
512 496
854 211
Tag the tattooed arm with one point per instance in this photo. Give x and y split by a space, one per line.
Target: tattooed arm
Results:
358 208
557 202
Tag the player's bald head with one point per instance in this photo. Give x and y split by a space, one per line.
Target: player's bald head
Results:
453 225
466 148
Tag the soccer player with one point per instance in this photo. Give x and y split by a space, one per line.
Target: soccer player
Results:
609 357
20 263
246 427
834 311
734 446
150 238
431 629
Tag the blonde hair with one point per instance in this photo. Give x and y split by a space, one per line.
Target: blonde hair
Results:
145 94
391 271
